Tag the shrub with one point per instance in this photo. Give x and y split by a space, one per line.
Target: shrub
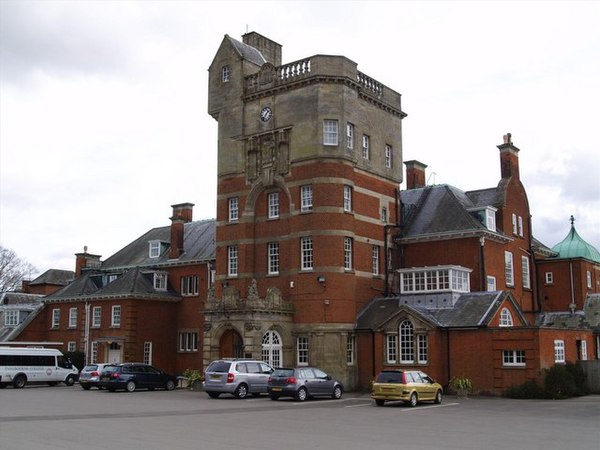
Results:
564 381
459 383
529 389
560 381
193 376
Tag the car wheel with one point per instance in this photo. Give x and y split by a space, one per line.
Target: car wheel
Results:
241 391
301 394
438 397
130 386
70 381
213 394
274 397
170 385
413 400
85 388
337 393
19 381
379 402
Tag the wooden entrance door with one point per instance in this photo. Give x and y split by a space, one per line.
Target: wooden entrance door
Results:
231 345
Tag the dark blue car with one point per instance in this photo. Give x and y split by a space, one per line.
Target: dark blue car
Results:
132 376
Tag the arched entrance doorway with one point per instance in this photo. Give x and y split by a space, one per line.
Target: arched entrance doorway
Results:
271 348
231 345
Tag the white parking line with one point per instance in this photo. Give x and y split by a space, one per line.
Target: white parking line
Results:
420 408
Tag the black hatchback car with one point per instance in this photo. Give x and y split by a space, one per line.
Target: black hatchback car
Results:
131 376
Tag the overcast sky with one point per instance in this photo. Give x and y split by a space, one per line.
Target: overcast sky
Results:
104 124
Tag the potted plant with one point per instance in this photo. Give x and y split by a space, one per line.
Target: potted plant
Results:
462 386
194 379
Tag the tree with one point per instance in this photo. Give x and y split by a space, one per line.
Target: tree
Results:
13 270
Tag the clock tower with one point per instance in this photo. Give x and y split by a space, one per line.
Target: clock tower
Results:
309 163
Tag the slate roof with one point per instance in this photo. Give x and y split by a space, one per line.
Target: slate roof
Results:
54 276
27 304
198 245
471 310
133 283
247 52
586 319
135 269
443 209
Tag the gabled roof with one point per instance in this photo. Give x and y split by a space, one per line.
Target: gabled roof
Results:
247 52
19 298
441 209
133 283
55 277
471 310
198 245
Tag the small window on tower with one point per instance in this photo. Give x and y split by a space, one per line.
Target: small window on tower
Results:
225 74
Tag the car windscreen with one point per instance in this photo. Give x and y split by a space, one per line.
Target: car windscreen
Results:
110 369
283 373
390 377
219 366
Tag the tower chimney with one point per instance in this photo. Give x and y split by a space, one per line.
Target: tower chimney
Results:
85 260
271 50
509 158
415 174
182 214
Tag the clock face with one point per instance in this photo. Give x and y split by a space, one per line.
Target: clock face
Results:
265 114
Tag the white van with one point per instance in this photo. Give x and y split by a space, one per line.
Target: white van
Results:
22 365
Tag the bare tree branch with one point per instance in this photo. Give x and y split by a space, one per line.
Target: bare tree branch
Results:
13 270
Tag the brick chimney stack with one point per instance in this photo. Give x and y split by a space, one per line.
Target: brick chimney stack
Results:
182 214
509 158
415 174
85 260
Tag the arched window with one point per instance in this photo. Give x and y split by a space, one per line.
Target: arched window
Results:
271 348
506 319
406 335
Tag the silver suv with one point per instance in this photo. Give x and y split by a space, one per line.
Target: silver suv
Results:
238 377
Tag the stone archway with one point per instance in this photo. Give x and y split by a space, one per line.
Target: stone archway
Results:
231 345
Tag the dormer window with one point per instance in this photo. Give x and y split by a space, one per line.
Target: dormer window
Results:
486 215
490 218
160 281
154 250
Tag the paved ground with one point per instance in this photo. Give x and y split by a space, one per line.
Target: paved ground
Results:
60 417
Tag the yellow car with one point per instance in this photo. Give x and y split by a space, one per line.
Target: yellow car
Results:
410 386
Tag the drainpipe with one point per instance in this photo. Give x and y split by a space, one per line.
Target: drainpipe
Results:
482 257
86 337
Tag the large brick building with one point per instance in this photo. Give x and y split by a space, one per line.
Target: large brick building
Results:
316 257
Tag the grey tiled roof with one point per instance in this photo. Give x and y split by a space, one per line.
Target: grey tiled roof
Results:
438 209
473 309
54 276
247 52
19 298
198 245
588 318
132 283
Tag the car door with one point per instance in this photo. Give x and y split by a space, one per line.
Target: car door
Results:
264 372
307 378
323 383
253 377
428 387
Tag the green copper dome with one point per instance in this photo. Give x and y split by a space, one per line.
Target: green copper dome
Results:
574 247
